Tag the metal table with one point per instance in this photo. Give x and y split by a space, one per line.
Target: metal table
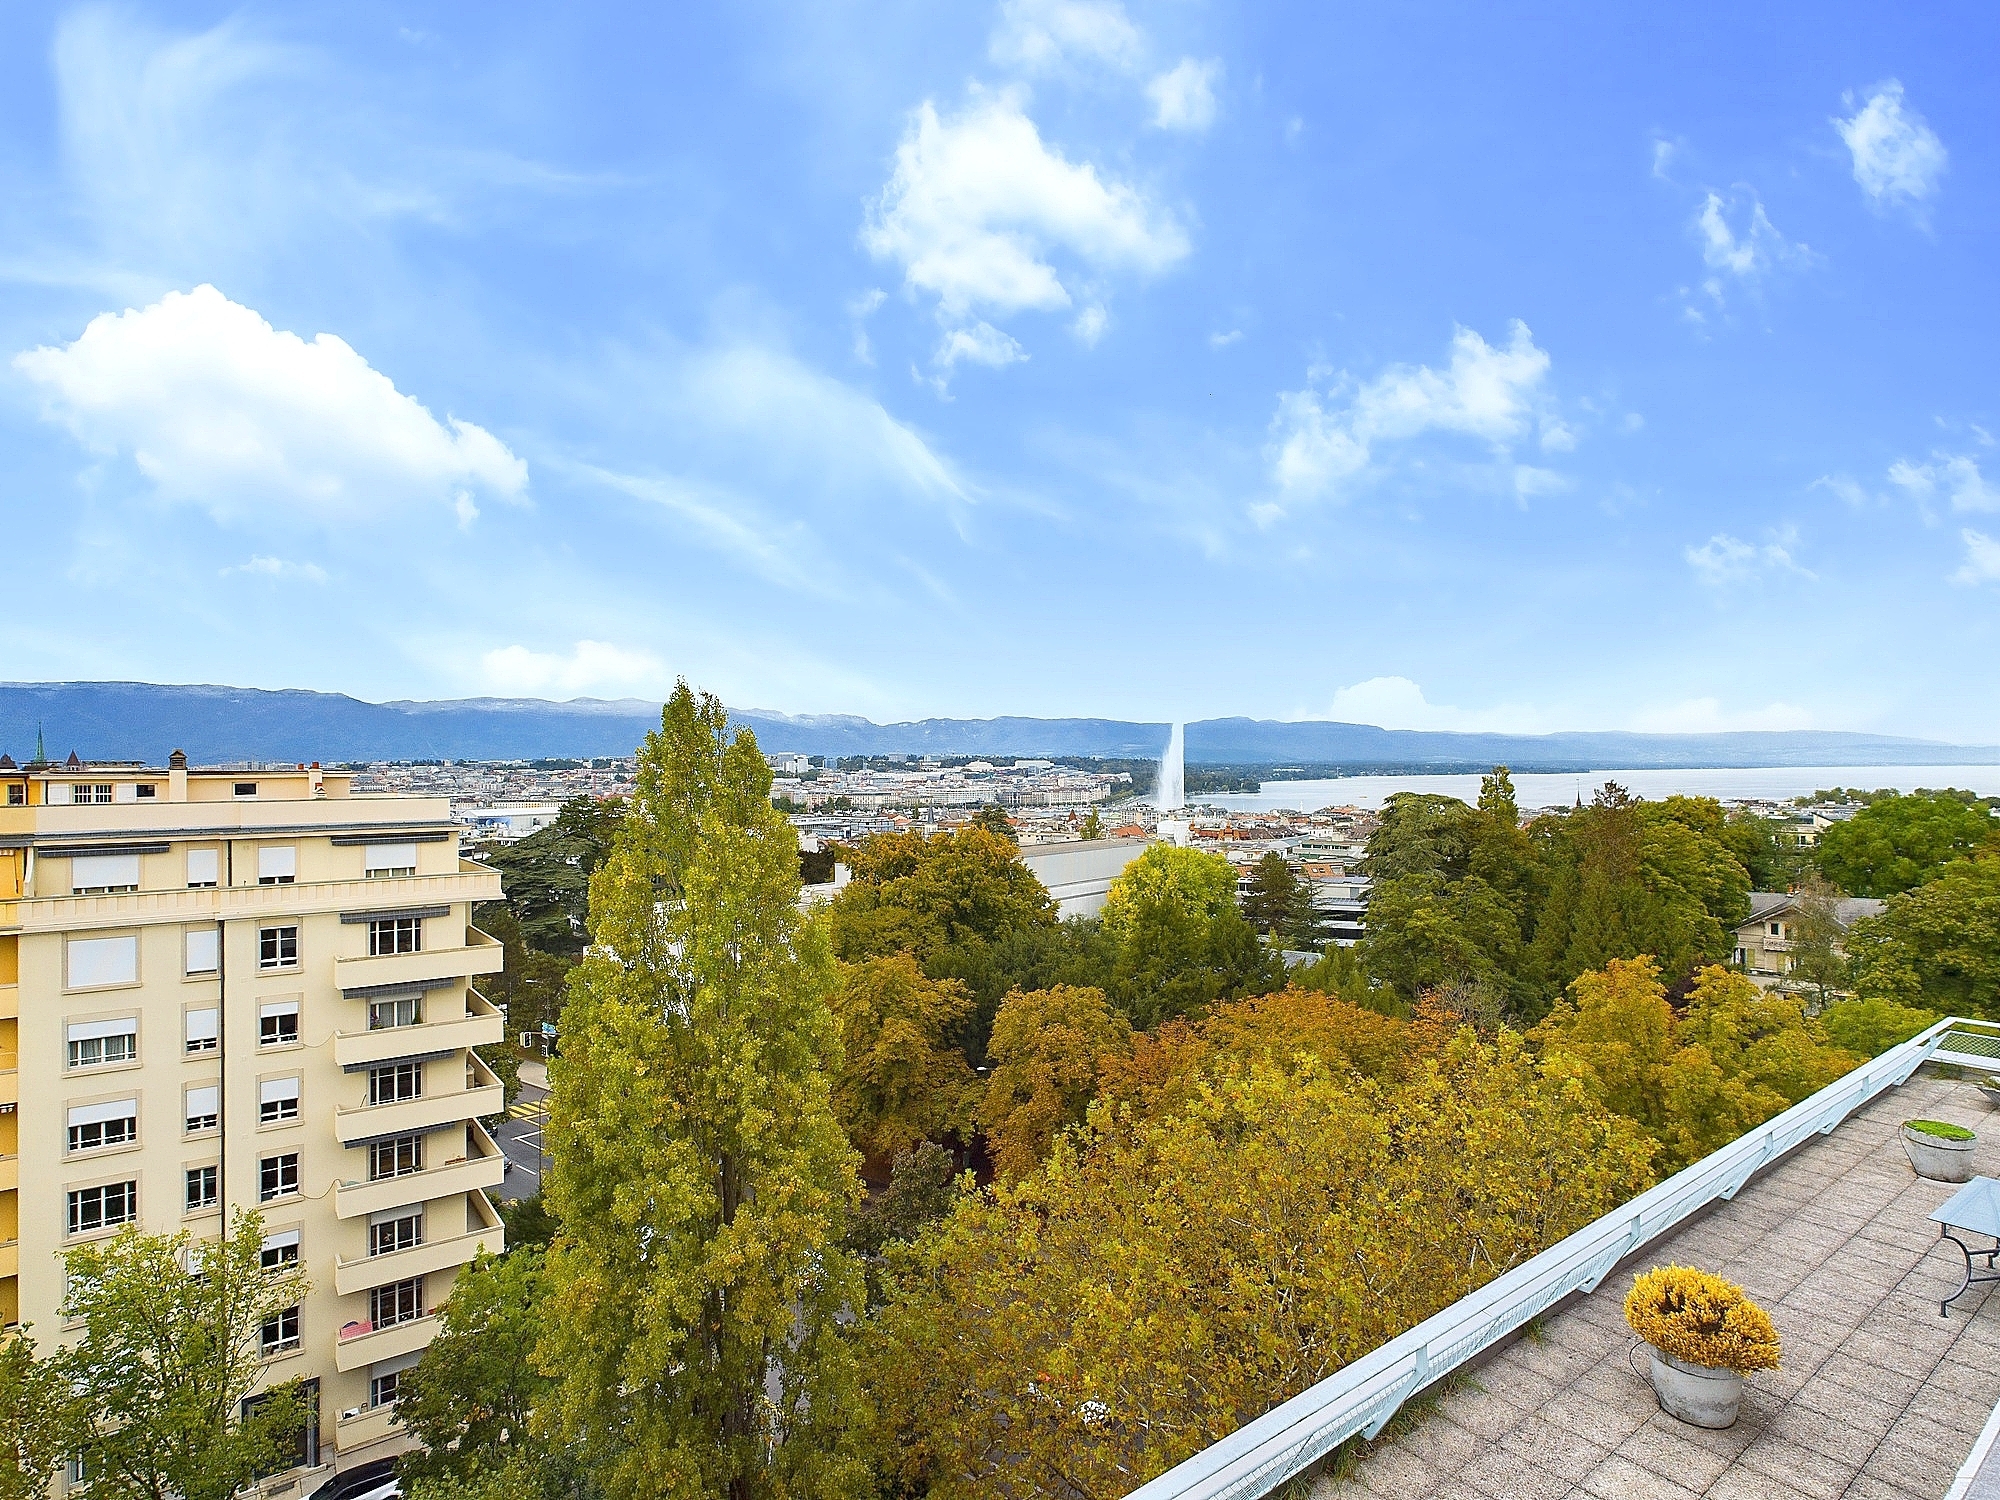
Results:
1973 1209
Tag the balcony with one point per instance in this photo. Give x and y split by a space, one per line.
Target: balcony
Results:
10 1173
10 1002
480 955
471 884
10 1082
362 1122
362 1428
364 1271
480 1026
354 1351
10 1258
484 1168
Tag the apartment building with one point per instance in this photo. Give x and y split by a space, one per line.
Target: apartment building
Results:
226 989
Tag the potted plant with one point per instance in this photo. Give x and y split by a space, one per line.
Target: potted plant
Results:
1939 1150
1706 1335
1990 1087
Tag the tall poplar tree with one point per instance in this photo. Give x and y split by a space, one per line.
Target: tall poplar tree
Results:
700 1175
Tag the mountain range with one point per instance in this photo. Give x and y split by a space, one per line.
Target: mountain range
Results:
143 721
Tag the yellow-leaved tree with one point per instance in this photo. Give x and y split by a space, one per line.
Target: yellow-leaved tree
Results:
1155 1285
900 1081
1048 1049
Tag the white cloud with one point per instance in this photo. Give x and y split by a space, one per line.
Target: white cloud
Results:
589 667
1845 487
1090 325
978 208
1747 253
1224 340
1724 559
1399 703
1663 157
1898 159
1982 558
982 344
1708 716
1485 392
1184 97
860 309
277 568
1955 476
219 409
1038 35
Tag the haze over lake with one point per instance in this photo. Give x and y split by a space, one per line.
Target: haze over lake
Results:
1544 790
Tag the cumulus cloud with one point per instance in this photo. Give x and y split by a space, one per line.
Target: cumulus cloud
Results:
1184 96
1982 558
1898 159
1224 340
1954 476
1725 559
982 344
278 569
219 409
1320 440
1708 716
594 667
979 209
1038 35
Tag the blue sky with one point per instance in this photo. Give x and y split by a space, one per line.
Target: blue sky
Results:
1436 366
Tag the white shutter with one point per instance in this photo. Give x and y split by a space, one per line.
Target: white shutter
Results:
84 1031
201 951
279 1239
98 1114
202 1101
112 960
277 1090
58 793
96 872
390 857
278 1008
278 863
201 1025
201 867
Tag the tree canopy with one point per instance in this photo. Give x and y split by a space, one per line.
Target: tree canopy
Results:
1897 843
1049 1046
900 1081
1181 940
1937 946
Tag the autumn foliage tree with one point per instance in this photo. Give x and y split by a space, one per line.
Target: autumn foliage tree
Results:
900 1081
1049 1048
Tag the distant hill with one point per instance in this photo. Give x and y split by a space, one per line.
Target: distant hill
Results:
143 721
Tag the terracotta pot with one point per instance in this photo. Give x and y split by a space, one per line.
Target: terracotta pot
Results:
1938 1159
1696 1394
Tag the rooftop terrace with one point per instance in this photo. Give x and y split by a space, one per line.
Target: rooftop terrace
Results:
1878 1398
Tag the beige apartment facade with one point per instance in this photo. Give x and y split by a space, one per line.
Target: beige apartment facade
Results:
225 989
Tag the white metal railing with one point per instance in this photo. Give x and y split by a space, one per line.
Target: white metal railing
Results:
1361 1398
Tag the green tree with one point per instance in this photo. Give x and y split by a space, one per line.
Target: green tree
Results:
1897 843
1092 826
1181 940
900 1081
1279 904
1935 947
1870 1027
168 1356
1339 972
1820 970
546 876
923 1181
40 1420
700 1176
1424 833
993 818
470 1400
1425 932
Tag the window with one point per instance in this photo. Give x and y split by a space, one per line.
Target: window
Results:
202 1103
277 865
382 1388
95 1126
98 961
395 1010
146 791
96 1044
246 788
277 1023
281 1334
98 792
402 1230
392 1085
201 1188
277 947
398 1302
17 794
381 861
277 1176
203 951
277 1100
202 866
398 1156
202 1026
395 935
101 874
104 1207
281 1249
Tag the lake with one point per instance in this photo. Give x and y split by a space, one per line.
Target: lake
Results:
1545 790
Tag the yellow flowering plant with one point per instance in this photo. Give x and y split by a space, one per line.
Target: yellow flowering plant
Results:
1701 1319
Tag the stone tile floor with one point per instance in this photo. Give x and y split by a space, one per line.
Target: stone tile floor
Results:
1878 1397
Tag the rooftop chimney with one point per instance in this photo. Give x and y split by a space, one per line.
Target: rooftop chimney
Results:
177 776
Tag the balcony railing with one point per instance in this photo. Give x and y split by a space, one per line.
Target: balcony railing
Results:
483 1167
212 903
481 1096
480 1026
480 955
362 1272
1360 1399
366 1345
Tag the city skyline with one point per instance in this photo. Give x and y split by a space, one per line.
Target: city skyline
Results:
1517 373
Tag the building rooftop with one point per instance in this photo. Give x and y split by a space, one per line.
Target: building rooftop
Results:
1879 1398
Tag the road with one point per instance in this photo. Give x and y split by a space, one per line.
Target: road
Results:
521 1136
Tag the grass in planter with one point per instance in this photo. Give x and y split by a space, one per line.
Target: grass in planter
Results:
1943 1130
